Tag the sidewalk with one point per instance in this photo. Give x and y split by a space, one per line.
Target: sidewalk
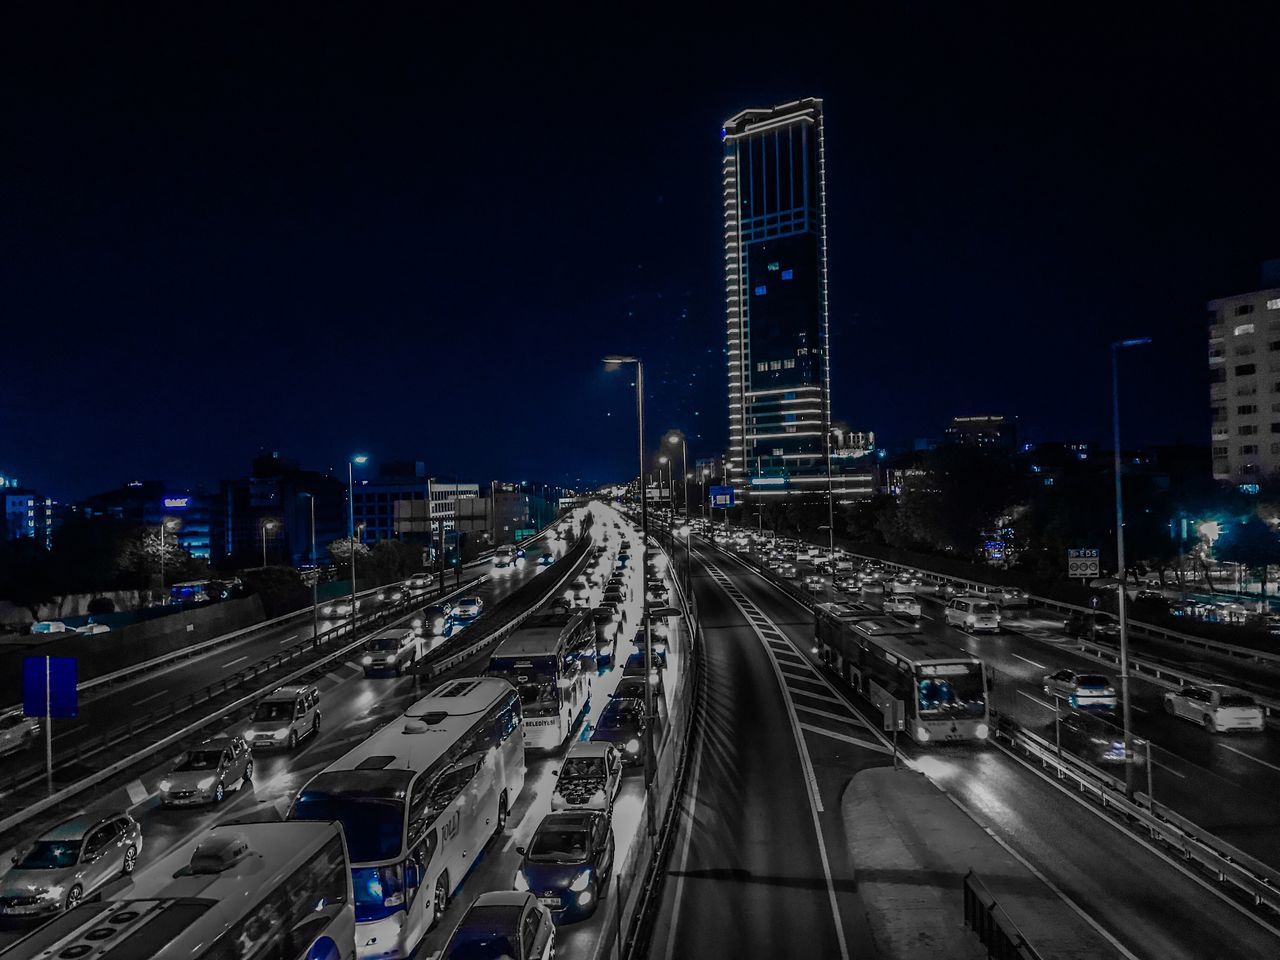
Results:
911 847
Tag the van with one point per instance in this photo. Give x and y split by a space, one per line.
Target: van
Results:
972 614
391 651
283 717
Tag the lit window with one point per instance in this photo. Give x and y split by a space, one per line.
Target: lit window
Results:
1244 328
761 290
788 364
775 364
787 274
1273 304
773 267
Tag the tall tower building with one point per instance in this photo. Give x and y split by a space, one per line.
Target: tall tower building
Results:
775 238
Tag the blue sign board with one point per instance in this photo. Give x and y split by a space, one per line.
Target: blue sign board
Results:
722 497
61 681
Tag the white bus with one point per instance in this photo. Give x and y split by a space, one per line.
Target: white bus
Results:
239 891
419 800
543 659
943 689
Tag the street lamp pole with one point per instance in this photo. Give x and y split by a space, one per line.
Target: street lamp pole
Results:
613 363
351 527
1122 597
684 466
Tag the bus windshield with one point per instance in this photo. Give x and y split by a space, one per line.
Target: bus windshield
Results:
950 690
379 891
374 825
536 680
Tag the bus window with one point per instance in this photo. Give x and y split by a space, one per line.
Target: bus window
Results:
416 868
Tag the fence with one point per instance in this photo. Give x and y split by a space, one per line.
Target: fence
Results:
996 932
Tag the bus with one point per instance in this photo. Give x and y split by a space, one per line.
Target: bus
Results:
543 659
239 891
943 690
202 591
418 801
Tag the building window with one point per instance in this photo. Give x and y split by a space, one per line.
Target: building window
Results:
1244 369
1244 309
777 451
761 290
1275 428
787 274
773 267
775 364
1247 408
1273 304
1248 429
1248 449
1220 376
1222 451
762 365
1274 345
1244 328
1244 351
788 364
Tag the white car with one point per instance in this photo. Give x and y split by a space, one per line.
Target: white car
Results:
468 608
589 779
1216 708
1084 691
972 614
49 626
904 584
342 609
91 629
904 603
18 732
814 584
1010 597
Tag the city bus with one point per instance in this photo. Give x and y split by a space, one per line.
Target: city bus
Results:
239 891
543 659
418 801
943 690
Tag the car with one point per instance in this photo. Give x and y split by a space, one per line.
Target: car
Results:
468 608
904 603
340 609
635 667
92 629
787 570
589 778
870 585
814 584
283 717
391 651
568 863
205 773
657 591
1084 691
972 614
1088 736
616 595
18 732
502 926
621 561
847 584
419 582
659 632
48 626
68 862
1090 626
435 619
1216 708
546 559
622 722
904 583
1010 597
559 605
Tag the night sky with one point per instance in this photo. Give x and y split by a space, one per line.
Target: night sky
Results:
386 230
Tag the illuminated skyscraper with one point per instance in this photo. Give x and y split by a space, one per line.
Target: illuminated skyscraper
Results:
775 236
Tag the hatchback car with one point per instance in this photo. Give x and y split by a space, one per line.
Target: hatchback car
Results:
1084 691
973 614
589 779
283 717
69 862
568 863
622 723
468 608
49 626
903 603
205 773
18 732
1216 708
503 926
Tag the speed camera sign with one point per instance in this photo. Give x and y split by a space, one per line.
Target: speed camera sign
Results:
1083 562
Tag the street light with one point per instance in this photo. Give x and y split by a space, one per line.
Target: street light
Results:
674 438
611 363
315 572
265 526
1116 347
351 526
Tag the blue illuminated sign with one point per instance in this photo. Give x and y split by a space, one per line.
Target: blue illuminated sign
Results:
60 680
722 497
176 503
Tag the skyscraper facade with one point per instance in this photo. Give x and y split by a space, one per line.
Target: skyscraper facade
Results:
775 235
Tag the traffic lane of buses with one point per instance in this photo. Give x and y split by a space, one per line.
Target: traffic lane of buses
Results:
352 706
1155 910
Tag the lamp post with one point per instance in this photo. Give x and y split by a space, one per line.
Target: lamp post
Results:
172 524
705 475
675 438
614 362
1121 596
263 528
315 573
351 525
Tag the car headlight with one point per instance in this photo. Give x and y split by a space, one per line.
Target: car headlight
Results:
970 619
391 659
327 611
206 783
922 734
581 881
366 660
53 893
165 785
521 882
633 745
982 731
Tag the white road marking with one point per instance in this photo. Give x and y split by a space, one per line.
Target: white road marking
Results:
852 721
1032 662
1047 706
820 696
154 696
865 744
1176 773
235 661
287 639
1249 755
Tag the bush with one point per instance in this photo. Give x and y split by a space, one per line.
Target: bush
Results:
102 605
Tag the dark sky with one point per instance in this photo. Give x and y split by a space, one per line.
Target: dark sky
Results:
387 230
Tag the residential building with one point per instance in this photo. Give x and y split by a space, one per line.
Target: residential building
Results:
29 513
1244 386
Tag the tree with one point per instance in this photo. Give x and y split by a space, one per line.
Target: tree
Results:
25 574
1252 543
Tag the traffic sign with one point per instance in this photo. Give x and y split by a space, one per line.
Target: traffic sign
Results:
722 497
57 675
1083 562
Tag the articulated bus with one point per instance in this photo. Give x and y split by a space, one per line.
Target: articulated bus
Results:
543 660
943 689
418 801
240 891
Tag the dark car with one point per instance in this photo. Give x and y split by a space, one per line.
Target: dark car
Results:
503 925
659 652
435 620
629 688
622 724
1087 626
568 863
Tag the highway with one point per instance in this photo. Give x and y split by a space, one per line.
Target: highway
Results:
747 874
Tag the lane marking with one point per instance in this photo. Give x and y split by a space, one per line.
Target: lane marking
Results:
1032 662
154 696
1162 766
865 744
235 661
1047 706
1249 755
851 721
820 696
287 639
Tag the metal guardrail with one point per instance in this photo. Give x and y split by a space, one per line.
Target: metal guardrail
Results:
985 917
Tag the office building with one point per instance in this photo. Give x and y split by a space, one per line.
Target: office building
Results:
273 506
776 313
29 513
984 432
1244 386
144 503
416 518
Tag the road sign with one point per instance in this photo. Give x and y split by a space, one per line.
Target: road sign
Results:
55 674
1083 562
722 497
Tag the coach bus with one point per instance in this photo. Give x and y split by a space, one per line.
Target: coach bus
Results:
418 801
943 689
543 659
239 891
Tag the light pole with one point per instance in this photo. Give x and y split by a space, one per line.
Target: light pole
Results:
705 474
172 524
351 525
613 362
1116 347
675 438
263 528
315 573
